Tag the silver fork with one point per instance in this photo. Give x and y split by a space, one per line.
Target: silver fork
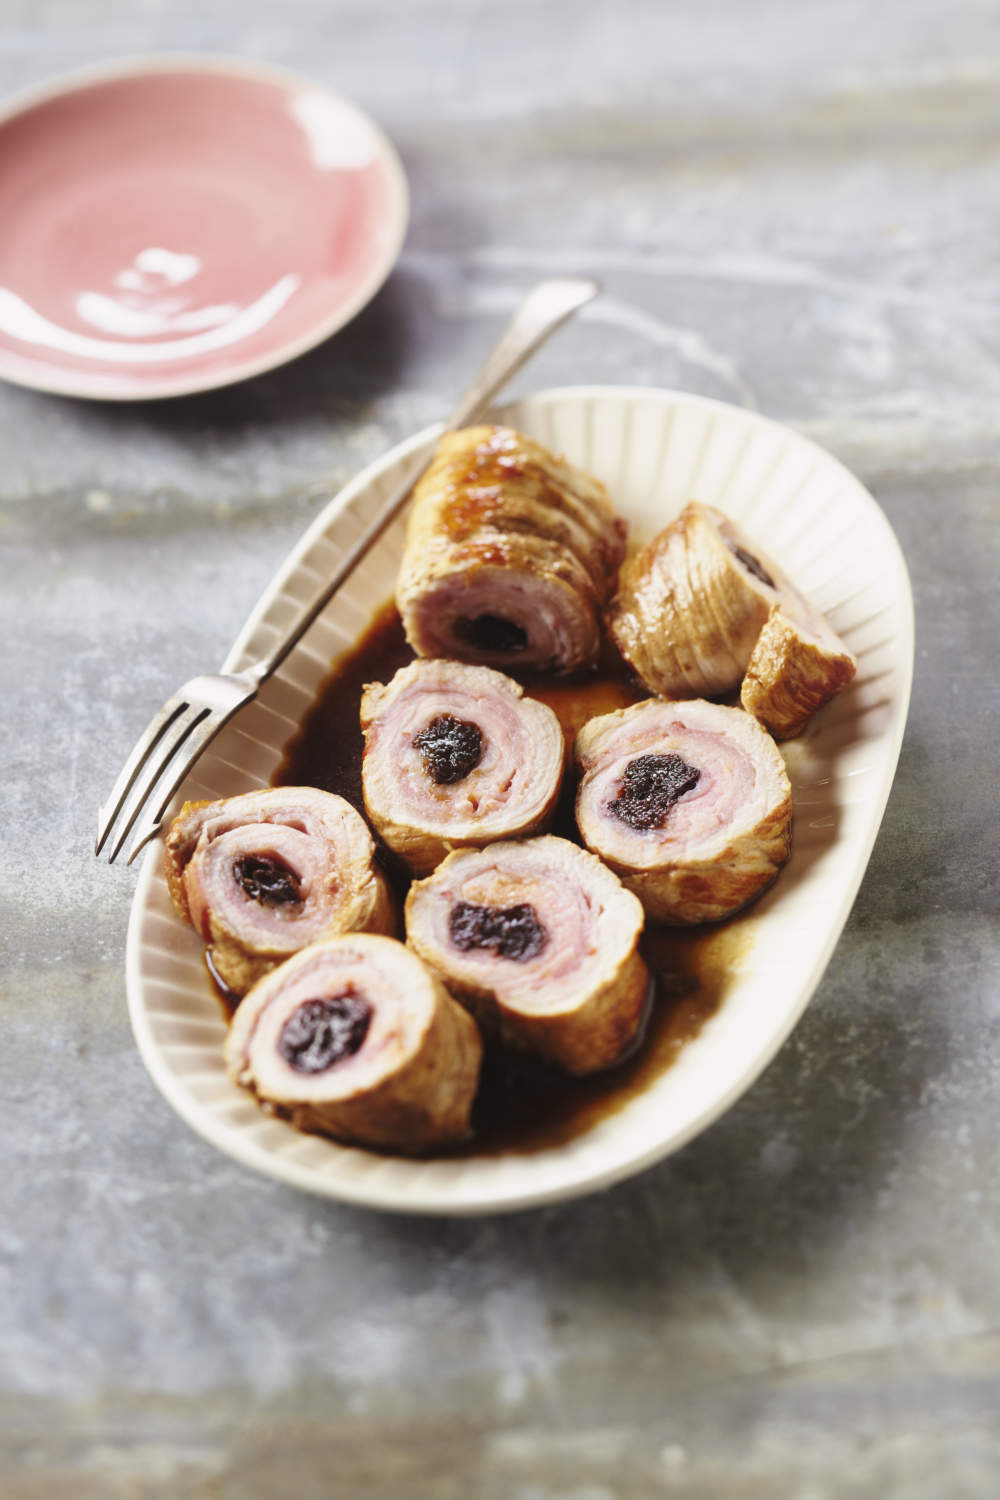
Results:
189 721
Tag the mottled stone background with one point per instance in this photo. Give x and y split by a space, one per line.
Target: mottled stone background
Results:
792 205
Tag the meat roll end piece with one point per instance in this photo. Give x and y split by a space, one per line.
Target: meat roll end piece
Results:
510 555
539 941
263 874
689 802
798 665
456 755
355 1039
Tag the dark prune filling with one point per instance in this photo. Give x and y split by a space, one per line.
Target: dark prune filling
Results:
267 880
320 1033
450 748
490 633
510 931
752 564
650 787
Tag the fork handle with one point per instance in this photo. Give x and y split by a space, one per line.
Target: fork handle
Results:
544 309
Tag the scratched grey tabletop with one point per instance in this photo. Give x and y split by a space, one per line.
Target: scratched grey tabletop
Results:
792 206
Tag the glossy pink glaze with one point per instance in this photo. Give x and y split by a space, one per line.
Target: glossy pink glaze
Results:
184 226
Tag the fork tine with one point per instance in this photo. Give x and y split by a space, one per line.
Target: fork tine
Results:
149 824
141 751
155 767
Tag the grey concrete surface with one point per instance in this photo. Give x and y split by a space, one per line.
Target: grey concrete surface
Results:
795 206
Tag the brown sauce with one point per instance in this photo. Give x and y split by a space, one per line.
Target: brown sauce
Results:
522 1105
226 997
327 750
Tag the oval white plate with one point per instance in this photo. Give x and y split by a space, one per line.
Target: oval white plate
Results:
654 450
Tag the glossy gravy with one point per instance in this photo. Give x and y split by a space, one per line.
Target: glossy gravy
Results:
524 1105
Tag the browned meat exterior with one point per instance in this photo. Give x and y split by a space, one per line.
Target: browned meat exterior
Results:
457 756
538 940
511 554
689 802
798 664
263 874
691 605
353 1038
702 608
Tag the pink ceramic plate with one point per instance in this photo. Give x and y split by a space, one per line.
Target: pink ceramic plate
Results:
174 224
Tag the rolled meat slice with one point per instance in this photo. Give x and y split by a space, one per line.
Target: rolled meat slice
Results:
510 555
455 756
797 665
689 802
354 1038
261 875
691 605
538 940
702 607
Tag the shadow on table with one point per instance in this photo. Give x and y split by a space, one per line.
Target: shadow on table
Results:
356 365
806 1152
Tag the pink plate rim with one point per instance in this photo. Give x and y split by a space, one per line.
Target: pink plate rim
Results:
63 383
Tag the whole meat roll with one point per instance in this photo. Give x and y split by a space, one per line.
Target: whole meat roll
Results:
456 755
702 606
539 941
689 802
511 554
262 874
353 1038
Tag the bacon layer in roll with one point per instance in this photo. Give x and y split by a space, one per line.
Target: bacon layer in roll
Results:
263 874
510 555
689 802
354 1038
456 755
702 605
538 940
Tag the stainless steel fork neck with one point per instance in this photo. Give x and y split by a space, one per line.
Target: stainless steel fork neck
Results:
544 309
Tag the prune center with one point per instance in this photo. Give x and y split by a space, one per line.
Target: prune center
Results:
650 787
510 931
450 748
267 880
320 1033
752 564
491 633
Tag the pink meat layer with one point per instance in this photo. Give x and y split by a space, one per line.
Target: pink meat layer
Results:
590 922
721 842
727 786
559 622
513 783
262 874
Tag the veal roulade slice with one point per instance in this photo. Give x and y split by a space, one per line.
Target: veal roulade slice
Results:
689 802
702 608
262 874
691 604
539 940
456 755
355 1039
511 554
